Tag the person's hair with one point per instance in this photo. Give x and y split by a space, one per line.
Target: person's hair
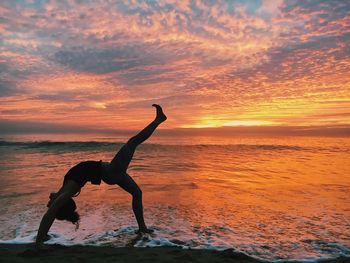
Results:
67 212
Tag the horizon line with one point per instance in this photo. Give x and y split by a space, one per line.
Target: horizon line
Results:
30 127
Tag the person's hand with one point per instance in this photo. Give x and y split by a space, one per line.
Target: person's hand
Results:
41 247
52 198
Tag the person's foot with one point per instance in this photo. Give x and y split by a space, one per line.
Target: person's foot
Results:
145 231
160 114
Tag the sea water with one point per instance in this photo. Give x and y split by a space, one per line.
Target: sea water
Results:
273 198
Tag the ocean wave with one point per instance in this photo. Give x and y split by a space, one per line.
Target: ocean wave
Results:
16 194
127 236
99 144
59 144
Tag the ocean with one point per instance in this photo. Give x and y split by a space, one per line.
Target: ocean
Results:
272 198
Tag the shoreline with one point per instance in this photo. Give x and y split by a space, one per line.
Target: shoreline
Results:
18 253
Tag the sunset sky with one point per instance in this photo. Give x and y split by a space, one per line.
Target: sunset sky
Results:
208 63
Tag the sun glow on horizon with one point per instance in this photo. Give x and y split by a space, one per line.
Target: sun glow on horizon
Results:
249 123
235 123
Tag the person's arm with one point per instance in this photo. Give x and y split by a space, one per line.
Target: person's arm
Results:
49 217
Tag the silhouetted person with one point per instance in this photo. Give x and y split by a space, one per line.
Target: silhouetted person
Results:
61 204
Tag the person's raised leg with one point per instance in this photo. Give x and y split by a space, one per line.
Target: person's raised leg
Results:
129 185
122 159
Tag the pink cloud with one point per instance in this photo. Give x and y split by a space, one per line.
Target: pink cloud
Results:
270 62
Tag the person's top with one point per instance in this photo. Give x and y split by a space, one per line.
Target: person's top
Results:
88 171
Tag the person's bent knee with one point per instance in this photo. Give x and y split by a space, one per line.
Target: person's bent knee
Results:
137 193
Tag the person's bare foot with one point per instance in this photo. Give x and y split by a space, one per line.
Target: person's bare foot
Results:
160 114
144 231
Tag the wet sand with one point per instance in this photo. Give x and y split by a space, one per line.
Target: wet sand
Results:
81 254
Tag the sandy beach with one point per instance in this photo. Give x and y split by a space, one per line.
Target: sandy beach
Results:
57 253
81 254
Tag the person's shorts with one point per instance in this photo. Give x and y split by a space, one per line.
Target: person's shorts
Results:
85 172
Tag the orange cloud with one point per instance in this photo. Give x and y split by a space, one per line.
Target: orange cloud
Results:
210 64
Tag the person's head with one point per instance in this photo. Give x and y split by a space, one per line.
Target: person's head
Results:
66 211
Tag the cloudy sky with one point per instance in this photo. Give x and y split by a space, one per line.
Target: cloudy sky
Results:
209 63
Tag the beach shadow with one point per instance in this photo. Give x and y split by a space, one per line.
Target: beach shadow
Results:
33 252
